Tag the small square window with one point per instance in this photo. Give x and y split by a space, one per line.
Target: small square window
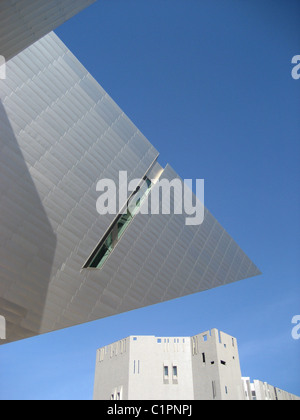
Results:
159 340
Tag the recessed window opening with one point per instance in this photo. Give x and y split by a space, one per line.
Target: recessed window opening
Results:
166 371
119 226
214 390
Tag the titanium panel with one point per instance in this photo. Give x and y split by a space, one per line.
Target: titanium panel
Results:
159 258
60 133
23 22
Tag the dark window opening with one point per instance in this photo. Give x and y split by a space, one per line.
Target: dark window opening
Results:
113 236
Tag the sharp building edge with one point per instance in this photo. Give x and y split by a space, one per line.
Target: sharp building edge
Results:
22 23
60 133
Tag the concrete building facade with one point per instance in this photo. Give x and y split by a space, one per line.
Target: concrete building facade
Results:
216 367
203 367
262 391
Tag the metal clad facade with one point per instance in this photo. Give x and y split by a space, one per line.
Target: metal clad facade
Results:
23 22
60 133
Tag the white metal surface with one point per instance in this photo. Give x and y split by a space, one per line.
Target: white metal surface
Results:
23 22
60 133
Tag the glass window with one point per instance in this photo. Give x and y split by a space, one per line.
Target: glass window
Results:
120 225
166 370
175 371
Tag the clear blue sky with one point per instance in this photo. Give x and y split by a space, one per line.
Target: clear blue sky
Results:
209 83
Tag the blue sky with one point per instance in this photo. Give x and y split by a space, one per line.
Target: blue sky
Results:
209 83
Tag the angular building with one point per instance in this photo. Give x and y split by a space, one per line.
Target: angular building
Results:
262 391
61 263
24 22
204 367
